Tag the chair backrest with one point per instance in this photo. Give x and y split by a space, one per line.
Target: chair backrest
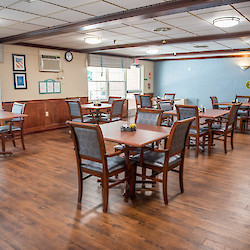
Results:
137 100
242 98
18 108
88 140
75 109
178 136
188 111
149 116
164 105
214 100
232 115
117 108
169 96
146 101
112 98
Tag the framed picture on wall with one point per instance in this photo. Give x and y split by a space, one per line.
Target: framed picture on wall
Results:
18 62
20 81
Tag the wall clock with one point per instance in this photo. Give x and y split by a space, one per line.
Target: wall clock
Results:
68 56
248 84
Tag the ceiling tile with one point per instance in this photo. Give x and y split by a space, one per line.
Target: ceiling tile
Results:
70 16
131 4
99 8
71 3
211 10
245 11
146 34
10 32
36 7
173 16
16 15
234 43
5 22
6 3
46 21
241 5
126 30
26 26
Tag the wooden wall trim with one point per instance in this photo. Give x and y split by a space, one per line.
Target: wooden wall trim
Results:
58 111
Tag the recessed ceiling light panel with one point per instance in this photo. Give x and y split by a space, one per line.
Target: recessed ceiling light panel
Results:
152 51
92 40
225 22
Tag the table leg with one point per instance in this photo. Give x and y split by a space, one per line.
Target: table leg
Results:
3 146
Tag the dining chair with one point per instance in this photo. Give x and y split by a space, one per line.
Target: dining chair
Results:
214 100
197 129
115 113
164 160
167 120
137 100
112 98
92 159
76 113
145 101
169 96
228 126
14 126
243 113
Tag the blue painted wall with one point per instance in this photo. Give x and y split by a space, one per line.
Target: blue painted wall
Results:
200 79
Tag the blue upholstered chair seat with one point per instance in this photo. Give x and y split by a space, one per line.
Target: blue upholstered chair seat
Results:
114 163
222 128
106 118
203 130
157 159
121 147
4 129
86 118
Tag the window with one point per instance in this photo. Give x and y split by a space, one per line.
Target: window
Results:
105 82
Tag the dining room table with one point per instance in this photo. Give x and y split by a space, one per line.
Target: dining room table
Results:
95 109
143 135
208 113
7 116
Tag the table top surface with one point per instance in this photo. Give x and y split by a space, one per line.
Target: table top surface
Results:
92 106
209 113
246 104
165 99
143 135
5 115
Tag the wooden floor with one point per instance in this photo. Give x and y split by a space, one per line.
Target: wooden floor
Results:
39 209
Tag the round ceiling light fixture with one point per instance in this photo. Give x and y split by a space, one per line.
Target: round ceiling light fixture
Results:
92 40
225 22
152 51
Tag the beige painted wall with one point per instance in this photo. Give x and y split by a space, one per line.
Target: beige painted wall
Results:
147 67
75 82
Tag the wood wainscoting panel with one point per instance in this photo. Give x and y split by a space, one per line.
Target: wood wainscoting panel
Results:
44 114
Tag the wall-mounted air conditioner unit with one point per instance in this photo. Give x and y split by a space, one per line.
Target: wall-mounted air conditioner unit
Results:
49 61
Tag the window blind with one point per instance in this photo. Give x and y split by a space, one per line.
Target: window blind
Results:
108 61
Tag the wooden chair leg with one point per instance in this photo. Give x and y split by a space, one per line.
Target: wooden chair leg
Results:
225 143
241 125
165 187
3 142
80 184
105 193
181 178
143 173
197 147
132 181
13 140
232 134
188 142
22 140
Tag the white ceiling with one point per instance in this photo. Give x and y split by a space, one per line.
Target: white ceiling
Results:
17 17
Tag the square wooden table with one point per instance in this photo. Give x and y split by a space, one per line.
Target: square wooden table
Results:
243 104
143 135
97 109
209 113
5 116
